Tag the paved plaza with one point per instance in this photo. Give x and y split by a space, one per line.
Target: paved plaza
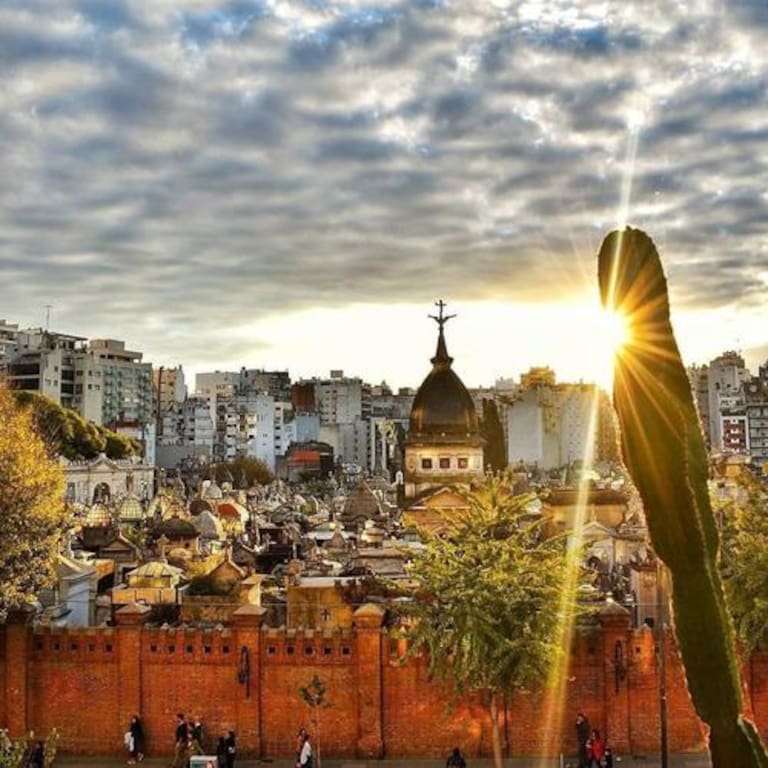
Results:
685 760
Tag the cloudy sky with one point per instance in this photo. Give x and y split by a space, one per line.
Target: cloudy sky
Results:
292 184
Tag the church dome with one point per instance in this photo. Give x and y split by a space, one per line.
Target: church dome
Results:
442 406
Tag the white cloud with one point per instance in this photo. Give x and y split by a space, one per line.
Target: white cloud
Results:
226 164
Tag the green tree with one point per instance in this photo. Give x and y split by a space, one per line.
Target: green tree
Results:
490 600
68 434
247 468
32 504
744 558
495 452
119 446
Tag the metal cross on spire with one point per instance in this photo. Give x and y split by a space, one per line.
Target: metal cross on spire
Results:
441 319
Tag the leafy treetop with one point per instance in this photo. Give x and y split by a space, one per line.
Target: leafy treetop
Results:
32 503
68 434
744 559
490 602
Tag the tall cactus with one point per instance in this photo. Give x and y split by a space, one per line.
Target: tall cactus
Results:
664 451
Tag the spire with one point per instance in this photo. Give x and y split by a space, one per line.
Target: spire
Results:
441 354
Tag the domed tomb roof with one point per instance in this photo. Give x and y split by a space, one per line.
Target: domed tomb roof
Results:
209 526
212 491
442 406
130 509
196 506
98 516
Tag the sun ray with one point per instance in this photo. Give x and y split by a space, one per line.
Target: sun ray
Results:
557 680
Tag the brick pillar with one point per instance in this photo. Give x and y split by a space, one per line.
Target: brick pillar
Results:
17 641
367 621
617 651
246 678
130 619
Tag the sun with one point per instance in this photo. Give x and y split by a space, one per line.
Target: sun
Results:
615 326
612 334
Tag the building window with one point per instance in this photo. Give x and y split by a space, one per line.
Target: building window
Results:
463 462
426 463
445 462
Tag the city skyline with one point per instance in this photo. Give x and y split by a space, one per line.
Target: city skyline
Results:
291 185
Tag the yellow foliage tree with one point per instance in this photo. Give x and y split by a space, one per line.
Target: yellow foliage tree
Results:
32 510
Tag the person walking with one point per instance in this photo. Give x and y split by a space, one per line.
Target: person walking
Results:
595 749
196 734
305 756
456 759
582 737
231 749
181 737
136 741
221 751
299 744
37 758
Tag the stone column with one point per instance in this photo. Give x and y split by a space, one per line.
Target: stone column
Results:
17 645
368 620
246 677
130 619
617 651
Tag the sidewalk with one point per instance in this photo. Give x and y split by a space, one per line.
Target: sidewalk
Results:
686 760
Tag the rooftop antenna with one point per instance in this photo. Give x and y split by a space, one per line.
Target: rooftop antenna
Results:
48 308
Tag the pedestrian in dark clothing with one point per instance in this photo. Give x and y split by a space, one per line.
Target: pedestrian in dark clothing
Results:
37 758
582 737
456 759
608 758
196 733
221 752
231 749
181 736
137 740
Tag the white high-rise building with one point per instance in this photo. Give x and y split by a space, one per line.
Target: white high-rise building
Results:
127 383
8 333
339 399
46 362
251 424
214 385
727 376
169 387
553 426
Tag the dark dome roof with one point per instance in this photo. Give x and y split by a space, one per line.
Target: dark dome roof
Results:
442 406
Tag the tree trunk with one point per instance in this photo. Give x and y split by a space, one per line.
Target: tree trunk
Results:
495 737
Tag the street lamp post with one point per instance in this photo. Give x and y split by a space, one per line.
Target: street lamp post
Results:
661 650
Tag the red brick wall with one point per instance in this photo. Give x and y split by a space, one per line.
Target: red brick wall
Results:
87 682
289 662
72 686
194 673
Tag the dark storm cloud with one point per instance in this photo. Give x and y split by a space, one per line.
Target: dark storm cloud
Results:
208 166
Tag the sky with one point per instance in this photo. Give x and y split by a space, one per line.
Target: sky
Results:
285 184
